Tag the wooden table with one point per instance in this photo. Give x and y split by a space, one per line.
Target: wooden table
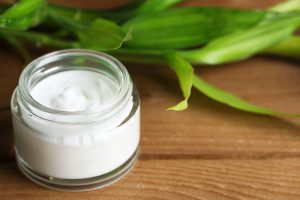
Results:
208 152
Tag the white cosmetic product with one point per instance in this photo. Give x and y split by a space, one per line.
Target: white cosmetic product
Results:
76 119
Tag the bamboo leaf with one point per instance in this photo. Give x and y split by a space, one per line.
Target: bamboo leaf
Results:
243 44
188 27
149 6
103 35
184 72
233 101
24 14
289 48
40 39
286 6
70 19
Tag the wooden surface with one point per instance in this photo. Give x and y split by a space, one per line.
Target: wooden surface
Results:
208 152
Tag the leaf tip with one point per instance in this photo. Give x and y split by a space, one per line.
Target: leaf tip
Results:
180 106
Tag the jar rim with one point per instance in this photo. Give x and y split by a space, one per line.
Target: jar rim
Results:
124 87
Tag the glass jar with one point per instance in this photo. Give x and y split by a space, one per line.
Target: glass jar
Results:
76 150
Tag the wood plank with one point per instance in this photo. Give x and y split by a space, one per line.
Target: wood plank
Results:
196 133
209 151
173 179
10 69
209 129
6 139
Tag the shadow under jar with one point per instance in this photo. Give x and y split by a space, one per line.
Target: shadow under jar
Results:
76 120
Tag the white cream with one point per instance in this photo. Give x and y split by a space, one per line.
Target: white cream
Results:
75 90
76 151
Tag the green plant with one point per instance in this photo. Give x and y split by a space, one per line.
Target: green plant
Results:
154 31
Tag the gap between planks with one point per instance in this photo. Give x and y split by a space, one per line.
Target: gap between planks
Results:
165 157
174 179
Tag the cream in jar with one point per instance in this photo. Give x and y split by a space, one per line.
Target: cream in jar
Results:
76 119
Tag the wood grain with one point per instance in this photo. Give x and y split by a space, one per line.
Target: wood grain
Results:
178 179
196 133
264 81
10 69
209 151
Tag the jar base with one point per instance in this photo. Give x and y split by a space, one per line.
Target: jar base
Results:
77 185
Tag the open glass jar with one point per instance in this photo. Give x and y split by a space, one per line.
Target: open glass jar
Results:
70 148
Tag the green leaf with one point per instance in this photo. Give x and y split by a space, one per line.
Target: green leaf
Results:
149 6
65 16
70 19
184 72
24 14
243 44
103 35
189 26
40 39
286 6
75 18
233 101
289 48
